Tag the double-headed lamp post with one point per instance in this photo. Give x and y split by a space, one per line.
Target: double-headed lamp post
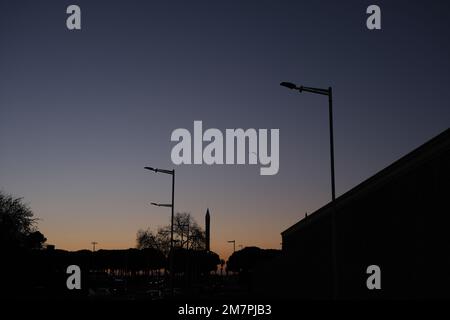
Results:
171 205
326 92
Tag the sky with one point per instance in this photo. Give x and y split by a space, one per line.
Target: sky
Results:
82 112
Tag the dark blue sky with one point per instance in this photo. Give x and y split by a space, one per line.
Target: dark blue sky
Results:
82 112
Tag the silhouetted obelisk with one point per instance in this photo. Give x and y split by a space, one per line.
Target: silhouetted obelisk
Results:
207 230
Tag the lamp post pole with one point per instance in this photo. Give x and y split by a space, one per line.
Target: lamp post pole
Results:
330 116
172 205
333 198
93 253
172 270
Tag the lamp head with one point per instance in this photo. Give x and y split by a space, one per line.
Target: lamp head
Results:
288 85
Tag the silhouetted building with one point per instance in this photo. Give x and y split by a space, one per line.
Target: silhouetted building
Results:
207 230
398 220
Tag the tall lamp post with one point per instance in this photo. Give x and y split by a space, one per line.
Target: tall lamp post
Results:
94 243
234 245
326 92
171 205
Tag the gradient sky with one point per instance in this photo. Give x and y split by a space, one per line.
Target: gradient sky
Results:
81 113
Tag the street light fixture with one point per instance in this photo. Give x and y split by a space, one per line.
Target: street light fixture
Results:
326 92
172 205
161 204
288 85
160 170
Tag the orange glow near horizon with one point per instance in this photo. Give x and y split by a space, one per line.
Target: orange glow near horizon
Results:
71 234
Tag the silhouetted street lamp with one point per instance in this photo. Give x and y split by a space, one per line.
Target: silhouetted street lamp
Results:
172 205
234 245
326 92
93 253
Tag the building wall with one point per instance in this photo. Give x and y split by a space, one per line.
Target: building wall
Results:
402 225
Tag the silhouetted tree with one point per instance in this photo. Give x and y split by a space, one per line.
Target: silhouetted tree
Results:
17 224
246 259
19 238
187 233
159 240
189 246
197 239
35 240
